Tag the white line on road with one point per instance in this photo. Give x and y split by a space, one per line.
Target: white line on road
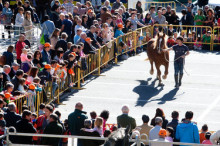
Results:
209 108
155 99
170 87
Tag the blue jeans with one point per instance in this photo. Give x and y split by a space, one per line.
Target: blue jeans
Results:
54 87
178 67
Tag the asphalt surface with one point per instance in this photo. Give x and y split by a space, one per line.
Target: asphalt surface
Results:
130 83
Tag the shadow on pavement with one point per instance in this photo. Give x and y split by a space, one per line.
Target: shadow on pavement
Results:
168 96
146 91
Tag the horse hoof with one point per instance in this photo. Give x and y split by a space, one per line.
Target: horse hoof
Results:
164 77
152 72
160 84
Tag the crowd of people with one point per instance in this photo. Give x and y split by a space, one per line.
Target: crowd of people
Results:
69 34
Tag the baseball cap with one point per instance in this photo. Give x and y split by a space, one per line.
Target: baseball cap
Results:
120 25
88 39
8 95
162 132
32 86
46 45
47 66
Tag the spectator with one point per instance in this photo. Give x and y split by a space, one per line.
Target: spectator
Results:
215 137
84 21
174 18
187 131
104 14
203 132
175 120
44 120
124 120
161 138
207 139
15 67
145 127
32 74
52 128
153 134
152 12
91 17
79 25
77 35
76 120
27 7
46 58
93 116
54 39
84 132
148 19
45 75
135 22
19 46
199 19
117 4
159 113
15 81
68 5
9 57
107 5
62 43
27 24
7 12
42 108
37 61
90 34
48 28
88 47
206 38
5 73
170 134
59 56
160 18
104 115
67 27
210 18
29 128
19 19
10 115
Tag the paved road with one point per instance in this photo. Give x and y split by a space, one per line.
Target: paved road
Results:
130 83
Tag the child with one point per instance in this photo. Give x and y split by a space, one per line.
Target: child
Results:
34 119
207 139
198 44
170 30
31 97
175 35
21 85
190 41
202 134
69 44
25 76
42 108
63 74
206 39
170 41
170 134
98 126
93 116
147 36
25 61
71 62
37 84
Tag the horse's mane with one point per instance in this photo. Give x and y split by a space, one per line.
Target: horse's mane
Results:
164 42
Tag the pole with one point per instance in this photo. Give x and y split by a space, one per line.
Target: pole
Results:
99 61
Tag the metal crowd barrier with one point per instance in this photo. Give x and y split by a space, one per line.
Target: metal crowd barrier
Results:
146 5
135 139
216 38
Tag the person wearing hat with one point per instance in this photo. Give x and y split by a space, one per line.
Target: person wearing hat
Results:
162 134
88 47
52 128
45 75
67 27
181 51
29 128
14 68
46 58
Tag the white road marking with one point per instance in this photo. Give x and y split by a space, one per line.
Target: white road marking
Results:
209 108
155 99
170 87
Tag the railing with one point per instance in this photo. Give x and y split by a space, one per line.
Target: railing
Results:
146 5
135 139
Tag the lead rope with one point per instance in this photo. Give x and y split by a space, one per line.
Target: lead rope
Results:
176 60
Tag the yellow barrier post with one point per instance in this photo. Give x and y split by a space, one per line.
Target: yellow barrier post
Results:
135 41
116 54
79 79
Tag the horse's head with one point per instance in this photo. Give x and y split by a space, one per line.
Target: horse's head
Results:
161 42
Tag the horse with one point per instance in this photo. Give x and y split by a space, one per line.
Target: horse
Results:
156 55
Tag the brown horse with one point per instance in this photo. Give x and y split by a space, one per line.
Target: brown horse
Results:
156 55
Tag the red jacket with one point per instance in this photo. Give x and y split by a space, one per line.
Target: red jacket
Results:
19 47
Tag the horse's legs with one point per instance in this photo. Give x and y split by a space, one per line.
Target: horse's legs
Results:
152 67
166 70
159 75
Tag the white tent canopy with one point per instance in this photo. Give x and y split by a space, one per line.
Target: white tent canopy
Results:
214 2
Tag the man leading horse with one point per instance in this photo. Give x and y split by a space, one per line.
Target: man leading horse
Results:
181 51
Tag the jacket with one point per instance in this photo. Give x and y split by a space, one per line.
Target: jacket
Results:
6 78
11 118
12 73
94 41
52 128
187 132
44 76
88 49
165 121
124 120
15 82
87 142
76 121
29 128
173 124
9 58
215 137
19 46
46 57
61 44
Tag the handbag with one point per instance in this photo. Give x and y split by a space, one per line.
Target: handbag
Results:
42 40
